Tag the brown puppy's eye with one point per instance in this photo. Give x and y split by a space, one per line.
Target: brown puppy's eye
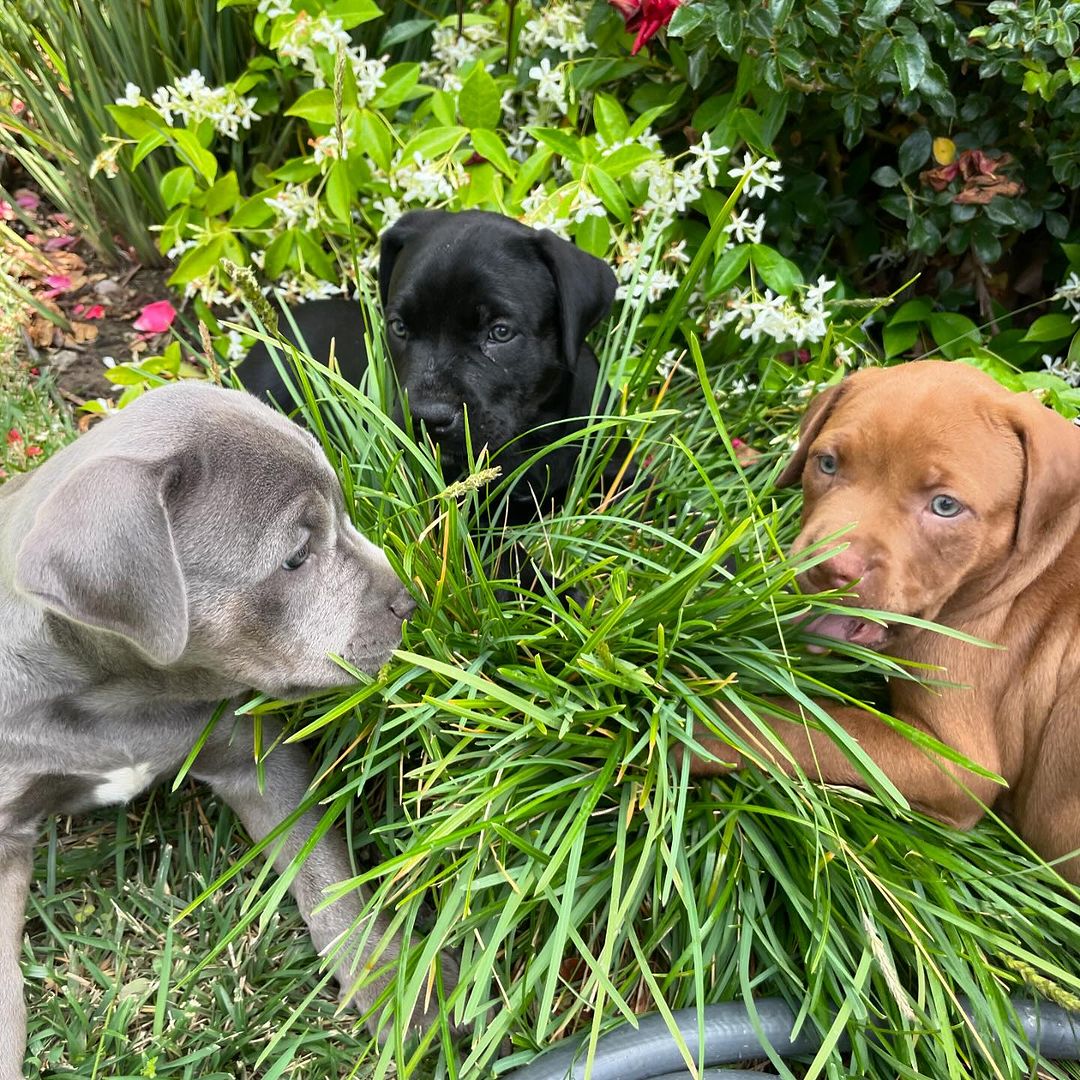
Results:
397 327
827 464
501 332
946 506
298 557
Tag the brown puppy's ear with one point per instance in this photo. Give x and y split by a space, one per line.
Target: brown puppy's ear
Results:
1051 477
585 286
101 553
812 422
407 228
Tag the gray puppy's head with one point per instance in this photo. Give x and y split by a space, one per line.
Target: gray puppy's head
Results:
208 534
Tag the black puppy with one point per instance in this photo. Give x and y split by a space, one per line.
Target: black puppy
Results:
486 318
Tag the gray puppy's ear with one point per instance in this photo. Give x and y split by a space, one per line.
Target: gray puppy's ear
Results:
585 286
101 553
406 228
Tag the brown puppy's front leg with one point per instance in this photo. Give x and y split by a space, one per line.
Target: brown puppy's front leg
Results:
229 767
934 785
16 865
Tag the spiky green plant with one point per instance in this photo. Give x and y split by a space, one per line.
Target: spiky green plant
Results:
511 782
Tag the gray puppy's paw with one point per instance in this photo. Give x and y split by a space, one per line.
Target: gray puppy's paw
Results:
426 1012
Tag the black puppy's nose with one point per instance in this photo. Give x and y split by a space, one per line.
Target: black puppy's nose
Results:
436 416
403 605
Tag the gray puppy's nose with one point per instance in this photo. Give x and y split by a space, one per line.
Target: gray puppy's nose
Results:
437 416
403 605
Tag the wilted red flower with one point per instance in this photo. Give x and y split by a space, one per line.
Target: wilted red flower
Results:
13 437
644 17
33 451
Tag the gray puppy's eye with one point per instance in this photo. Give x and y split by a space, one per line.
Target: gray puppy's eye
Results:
298 557
501 332
946 506
397 327
827 464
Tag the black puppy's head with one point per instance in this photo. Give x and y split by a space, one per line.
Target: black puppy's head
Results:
487 315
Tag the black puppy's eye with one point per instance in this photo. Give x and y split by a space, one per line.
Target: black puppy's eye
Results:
946 506
827 464
398 327
501 332
298 557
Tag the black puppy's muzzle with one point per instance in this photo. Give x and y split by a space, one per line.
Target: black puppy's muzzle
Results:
439 418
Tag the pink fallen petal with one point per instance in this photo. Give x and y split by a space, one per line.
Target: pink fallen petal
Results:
155 318
7 211
95 311
28 200
59 282
55 243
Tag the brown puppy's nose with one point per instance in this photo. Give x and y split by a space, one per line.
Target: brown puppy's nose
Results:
837 572
403 605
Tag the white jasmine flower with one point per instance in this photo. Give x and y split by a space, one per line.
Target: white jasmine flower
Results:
744 231
709 156
586 205
132 96
1069 294
761 175
550 84
274 9
295 206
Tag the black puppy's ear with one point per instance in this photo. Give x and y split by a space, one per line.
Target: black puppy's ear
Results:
585 286
407 228
101 553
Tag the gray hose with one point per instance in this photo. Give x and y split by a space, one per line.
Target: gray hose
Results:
649 1052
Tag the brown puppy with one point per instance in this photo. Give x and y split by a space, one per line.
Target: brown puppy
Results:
965 500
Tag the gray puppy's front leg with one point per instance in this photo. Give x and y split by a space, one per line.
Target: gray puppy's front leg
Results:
229 767
16 866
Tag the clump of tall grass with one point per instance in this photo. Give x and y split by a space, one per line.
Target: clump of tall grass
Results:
513 777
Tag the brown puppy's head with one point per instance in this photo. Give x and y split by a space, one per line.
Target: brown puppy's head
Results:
942 484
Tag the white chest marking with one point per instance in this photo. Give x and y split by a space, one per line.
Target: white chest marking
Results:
122 784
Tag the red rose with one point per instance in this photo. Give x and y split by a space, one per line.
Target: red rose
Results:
644 17
13 437
33 451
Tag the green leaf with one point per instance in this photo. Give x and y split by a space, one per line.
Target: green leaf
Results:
479 100
898 339
434 142
253 213
281 254
780 274
610 193
138 121
564 144
353 12
909 56
405 30
912 311
176 185
375 139
200 159
316 106
1055 327
199 260
609 118
954 334
147 145
489 146
626 159
728 267
400 83
339 191
593 235
223 196
314 257
886 176
915 151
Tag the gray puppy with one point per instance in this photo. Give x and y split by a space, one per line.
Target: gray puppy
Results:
190 548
